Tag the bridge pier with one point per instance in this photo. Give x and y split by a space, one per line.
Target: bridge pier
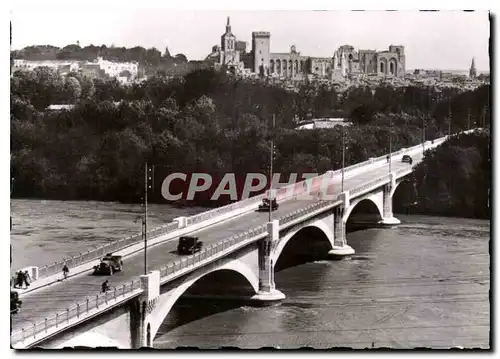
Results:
340 247
388 218
267 288
141 311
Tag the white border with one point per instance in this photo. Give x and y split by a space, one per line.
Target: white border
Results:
190 5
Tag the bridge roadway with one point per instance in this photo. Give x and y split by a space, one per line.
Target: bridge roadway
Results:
55 298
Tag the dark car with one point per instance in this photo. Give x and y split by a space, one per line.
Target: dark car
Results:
15 303
407 159
189 245
265 205
109 264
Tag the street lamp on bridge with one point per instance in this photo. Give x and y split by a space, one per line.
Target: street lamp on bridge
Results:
343 160
390 143
271 160
148 177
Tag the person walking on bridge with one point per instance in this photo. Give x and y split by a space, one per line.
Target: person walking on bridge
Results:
104 286
27 278
19 279
65 271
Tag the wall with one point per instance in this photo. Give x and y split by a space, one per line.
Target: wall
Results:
111 328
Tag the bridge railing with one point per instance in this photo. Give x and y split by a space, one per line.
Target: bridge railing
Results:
204 216
210 251
291 190
365 186
172 268
282 194
73 312
100 251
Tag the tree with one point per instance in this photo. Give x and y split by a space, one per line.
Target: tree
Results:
72 89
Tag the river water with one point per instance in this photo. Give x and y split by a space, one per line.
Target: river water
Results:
424 283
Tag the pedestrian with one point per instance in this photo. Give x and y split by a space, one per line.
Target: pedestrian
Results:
387 157
27 278
65 271
19 280
105 286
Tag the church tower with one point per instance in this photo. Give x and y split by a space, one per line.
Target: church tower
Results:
228 46
472 71
228 39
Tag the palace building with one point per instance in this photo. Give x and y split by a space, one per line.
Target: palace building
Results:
294 65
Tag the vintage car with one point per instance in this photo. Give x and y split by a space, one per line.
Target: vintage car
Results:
407 159
264 206
109 264
15 303
189 245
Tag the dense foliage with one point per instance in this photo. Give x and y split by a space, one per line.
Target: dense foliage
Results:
205 121
454 179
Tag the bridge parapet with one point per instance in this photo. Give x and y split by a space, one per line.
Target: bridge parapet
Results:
99 252
177 268
74 314
208 253
284 193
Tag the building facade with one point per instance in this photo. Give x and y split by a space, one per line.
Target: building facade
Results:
97 68
346 60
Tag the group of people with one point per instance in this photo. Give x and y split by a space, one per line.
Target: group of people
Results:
21 279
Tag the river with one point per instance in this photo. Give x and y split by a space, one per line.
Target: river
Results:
424 283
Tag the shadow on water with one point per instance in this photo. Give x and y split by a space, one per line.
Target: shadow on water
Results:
307 245
214 293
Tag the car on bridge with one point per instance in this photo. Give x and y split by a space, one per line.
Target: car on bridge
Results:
109 264
407 159
264 206
189 245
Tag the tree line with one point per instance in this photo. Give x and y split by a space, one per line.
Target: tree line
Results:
205 121
453 179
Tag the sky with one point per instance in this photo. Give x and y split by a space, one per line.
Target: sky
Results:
433 40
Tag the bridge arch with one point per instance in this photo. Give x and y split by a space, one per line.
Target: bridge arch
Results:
165 306
370 207
321 233
404 194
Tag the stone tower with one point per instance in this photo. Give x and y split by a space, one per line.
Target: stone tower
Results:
472 70
228 45
261 52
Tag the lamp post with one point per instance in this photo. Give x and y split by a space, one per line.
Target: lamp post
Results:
390 144
145 219
343 160
148 176
271 168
